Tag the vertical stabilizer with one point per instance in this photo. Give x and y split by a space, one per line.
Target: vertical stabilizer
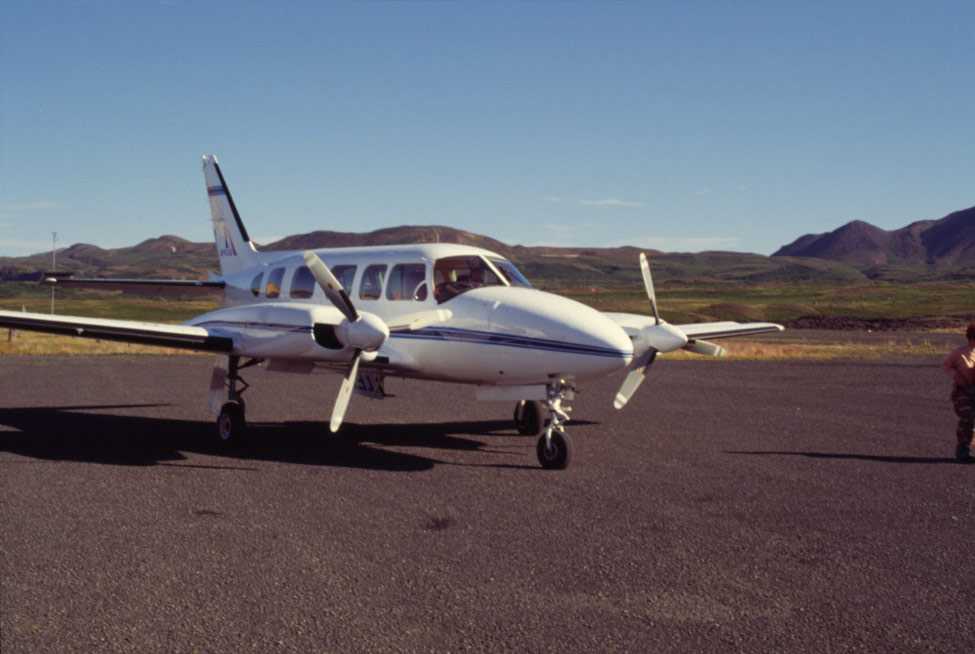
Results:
234 246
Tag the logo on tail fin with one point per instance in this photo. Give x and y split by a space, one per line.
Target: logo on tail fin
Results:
225 244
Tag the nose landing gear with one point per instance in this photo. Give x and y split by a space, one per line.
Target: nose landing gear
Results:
554 448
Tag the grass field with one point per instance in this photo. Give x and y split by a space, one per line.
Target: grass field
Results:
678 303
784 302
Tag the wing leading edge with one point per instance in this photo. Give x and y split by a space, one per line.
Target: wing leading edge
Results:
122 282
728 329
127 331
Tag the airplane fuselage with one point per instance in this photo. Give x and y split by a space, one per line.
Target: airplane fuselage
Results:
500 331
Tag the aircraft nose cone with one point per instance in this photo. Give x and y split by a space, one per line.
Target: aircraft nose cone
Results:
580 339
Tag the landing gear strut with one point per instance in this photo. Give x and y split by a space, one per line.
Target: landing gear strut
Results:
231 422
554 447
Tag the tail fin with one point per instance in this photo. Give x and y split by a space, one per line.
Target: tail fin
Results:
234 246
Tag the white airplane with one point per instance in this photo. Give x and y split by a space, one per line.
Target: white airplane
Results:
428 311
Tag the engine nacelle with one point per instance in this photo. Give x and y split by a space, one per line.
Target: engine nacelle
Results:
280 330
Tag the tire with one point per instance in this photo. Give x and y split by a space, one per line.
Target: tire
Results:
528 418
231 425
558 455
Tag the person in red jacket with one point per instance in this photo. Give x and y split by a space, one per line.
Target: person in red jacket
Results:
960 364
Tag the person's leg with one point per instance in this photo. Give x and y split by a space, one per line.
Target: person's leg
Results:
964 405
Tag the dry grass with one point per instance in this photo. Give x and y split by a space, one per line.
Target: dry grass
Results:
743 350
34 344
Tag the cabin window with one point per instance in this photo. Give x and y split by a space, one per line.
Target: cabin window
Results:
371 287
407 281
273 288
302 283
511 273
345 275
256 285
455 275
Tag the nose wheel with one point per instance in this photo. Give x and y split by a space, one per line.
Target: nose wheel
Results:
554 448
554 451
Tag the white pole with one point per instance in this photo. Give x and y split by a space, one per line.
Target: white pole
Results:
54 263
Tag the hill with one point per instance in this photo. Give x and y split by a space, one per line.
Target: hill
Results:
171 256
945 246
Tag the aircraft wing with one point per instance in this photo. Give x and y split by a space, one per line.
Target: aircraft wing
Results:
95 282
128 331
727 329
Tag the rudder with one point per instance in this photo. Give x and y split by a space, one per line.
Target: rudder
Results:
234 247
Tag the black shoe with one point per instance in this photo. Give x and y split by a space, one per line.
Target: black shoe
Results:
963 454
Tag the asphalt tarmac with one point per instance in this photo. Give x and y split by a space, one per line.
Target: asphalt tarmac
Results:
733 506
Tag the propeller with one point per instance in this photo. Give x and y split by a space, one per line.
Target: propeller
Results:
364 332
331 285
707 348
656 338
345 394
634 378
648 284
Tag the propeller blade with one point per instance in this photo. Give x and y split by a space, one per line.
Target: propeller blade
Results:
706 348
648 284
345 393
419 320
332 287
634 378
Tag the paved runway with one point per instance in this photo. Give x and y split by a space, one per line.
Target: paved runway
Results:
802 507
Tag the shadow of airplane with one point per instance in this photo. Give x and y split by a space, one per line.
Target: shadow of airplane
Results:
877 458
73 433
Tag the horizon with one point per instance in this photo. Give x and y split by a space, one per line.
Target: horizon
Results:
260 245
583 125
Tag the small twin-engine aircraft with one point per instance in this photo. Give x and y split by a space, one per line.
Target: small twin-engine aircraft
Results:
429 311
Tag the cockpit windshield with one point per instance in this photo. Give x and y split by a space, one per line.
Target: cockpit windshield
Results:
514 276
455 275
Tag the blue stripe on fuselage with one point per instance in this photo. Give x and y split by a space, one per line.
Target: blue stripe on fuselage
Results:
508 340
453 334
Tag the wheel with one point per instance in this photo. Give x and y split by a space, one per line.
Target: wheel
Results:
528 417
557 454
231 424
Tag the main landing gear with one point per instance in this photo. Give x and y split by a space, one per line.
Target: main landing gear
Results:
231 421
528 417
554 448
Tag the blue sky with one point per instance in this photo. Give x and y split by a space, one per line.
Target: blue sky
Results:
679 126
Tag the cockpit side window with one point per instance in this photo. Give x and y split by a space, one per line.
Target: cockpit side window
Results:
273 288
511 273
256 285
302 283
455 275
407 281
371 286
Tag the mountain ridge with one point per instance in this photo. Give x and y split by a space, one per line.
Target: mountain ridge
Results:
857 251
947 242
172 256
